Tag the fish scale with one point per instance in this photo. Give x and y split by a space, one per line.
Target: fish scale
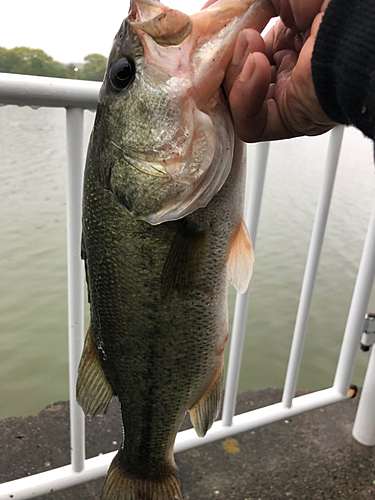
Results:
160 243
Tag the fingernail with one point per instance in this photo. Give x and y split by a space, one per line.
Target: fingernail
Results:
239 49
248 69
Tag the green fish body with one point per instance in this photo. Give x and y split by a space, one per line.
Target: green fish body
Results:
162 232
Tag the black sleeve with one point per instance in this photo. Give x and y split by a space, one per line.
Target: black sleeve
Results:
343 63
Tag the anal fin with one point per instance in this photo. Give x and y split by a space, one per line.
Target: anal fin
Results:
119 485
241 258
204 413
93 391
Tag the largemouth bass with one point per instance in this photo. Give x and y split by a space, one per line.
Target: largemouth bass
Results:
162 232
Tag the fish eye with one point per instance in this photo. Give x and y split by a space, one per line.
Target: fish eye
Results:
121 73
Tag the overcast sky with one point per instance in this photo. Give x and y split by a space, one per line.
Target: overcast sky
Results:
70 29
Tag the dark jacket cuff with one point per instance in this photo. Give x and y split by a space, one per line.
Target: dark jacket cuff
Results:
343 63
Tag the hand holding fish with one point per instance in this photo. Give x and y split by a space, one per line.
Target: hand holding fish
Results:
269 82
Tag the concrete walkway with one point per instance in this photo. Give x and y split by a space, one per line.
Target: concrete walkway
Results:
312 456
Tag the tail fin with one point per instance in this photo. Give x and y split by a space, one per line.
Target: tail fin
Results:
119 485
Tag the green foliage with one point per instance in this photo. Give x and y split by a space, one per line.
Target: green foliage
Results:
26 61
94 68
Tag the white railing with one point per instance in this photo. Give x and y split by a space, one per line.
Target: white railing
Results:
75 97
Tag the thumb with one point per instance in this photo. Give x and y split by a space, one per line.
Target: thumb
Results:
247 97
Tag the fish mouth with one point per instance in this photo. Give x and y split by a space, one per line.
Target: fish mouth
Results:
170 27
185 58
200 44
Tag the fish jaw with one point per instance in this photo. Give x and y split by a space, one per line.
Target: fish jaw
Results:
173 114
145 10
201 44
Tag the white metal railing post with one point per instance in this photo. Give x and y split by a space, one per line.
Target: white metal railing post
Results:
316 243
356 316
74 121
242 301
364 424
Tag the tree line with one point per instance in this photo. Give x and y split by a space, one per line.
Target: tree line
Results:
26 61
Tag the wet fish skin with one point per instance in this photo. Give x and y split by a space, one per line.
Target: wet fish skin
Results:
170 350
162 217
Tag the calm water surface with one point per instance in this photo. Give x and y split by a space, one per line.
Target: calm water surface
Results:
33 291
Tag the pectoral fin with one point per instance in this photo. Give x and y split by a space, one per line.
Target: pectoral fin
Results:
94 393
241 258
185 260
204 413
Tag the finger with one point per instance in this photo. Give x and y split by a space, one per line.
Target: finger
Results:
297 106
284 10
248 41
296 14
315 25
285 61
305 12
301 79
247 97
280 37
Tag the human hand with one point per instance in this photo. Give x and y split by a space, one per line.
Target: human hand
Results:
269 83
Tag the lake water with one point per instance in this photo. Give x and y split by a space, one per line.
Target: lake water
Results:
33 291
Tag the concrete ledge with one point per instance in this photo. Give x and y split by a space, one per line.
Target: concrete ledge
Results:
313 456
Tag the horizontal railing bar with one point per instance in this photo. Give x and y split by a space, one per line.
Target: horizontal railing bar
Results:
37 91
63 477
